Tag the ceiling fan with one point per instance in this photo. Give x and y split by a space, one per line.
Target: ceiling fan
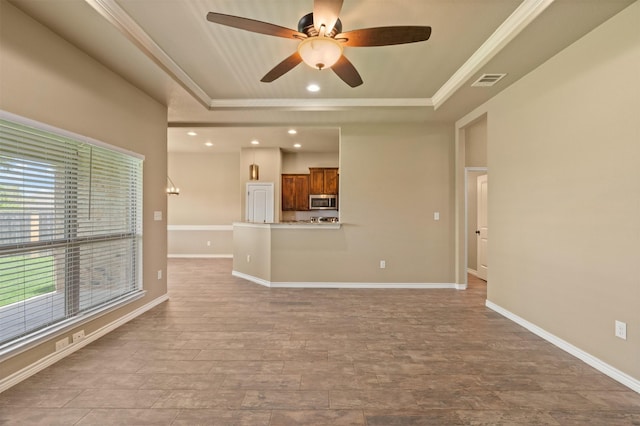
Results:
322 40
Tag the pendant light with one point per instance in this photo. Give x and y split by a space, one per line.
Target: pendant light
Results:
254 173
254 170
171 188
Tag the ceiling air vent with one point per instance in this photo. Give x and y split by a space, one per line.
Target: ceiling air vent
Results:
487 80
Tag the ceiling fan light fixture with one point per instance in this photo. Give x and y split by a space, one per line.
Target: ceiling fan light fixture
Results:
320 52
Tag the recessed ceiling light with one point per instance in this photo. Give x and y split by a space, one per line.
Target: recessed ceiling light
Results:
255 142
192 133
209 144
292 131
313 88
297 145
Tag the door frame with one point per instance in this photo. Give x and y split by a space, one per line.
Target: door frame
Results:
486 173
269 186
468 170
460 195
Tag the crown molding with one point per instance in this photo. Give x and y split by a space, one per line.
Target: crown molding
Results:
507 31
116 16
319 104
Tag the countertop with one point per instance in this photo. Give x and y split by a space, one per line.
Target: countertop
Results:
305 224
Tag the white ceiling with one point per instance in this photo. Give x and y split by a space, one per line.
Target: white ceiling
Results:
209 75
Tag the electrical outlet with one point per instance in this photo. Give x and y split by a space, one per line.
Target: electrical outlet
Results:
383 264
77 336
62 343
248 258
621 330
160 274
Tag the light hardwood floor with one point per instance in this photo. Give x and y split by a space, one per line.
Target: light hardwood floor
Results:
225 351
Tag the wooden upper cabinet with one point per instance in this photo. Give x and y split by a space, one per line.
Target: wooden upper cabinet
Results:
295 192
331 181
323 180
316 181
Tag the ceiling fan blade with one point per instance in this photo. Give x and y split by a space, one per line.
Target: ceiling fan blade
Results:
347 72
253 25
283 67
385 36
326 12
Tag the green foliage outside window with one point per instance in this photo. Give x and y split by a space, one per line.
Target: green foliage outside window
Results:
12 285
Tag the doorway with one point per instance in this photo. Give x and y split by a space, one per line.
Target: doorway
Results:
470 156
471 220
259 202
482 227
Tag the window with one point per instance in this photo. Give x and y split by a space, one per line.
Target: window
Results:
70 229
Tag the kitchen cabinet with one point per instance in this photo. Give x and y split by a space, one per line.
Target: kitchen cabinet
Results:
295 192
323 180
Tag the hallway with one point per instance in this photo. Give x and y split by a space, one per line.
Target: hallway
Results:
224 351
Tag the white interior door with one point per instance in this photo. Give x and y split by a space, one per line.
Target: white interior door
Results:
260 202
483 227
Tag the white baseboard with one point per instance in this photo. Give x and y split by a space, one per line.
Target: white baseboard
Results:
251 278
472 272
603 367
200 256
342 284
51 359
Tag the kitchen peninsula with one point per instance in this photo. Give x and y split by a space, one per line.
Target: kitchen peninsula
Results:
303 239
286 253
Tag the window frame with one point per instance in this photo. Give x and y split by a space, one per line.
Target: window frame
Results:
36 337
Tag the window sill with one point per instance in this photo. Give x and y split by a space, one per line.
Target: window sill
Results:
47 334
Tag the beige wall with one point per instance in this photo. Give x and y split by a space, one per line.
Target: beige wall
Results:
393 178
476 144
46 79
208 189
200 241
299 162
564 206
200 217
252 251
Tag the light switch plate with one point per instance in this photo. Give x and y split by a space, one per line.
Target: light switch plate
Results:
436 215
157 215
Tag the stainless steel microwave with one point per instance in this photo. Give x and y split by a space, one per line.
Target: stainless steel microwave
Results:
323 202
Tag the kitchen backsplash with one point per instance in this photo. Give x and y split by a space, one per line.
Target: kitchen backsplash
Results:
290 216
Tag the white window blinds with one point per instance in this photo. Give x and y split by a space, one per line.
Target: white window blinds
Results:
70 229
